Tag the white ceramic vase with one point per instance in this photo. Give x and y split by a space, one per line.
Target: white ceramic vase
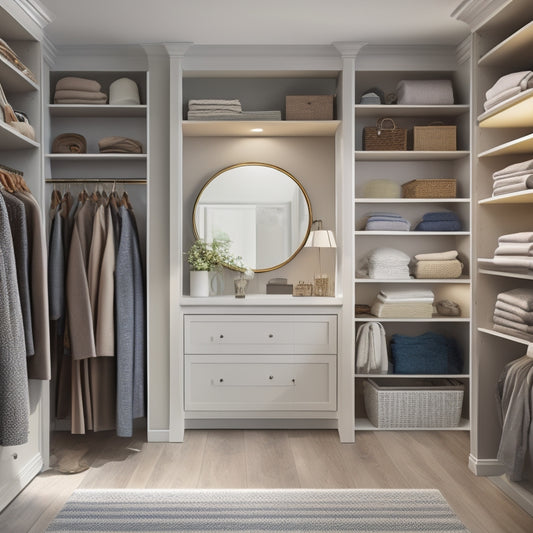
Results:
199 283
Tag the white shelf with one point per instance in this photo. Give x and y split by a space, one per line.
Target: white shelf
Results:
421 376
424 111
13 80
95 157
516 112
463 279
521 197
269 128
363 424
411 200
11 139
409 155
434 318
100 110
260 299
503 274
520 340
411 233
513 52
523 145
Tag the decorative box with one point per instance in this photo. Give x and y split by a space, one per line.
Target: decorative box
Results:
303 289
316 107
435 137
386 135
279 286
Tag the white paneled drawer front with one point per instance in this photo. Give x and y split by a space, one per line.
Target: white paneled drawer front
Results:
260 334
253 383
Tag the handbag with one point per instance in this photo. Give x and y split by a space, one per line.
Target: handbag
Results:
10 117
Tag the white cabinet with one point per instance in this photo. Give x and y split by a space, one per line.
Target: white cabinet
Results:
260 363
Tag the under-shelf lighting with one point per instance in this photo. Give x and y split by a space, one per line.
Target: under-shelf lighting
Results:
257 130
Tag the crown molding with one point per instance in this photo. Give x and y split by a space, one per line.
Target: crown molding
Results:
36 11
177 49
348 48
475 13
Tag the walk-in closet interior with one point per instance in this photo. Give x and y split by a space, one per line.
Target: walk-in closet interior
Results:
116 156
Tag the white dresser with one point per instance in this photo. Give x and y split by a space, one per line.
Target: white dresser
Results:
260 362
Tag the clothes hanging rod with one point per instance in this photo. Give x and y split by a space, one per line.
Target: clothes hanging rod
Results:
13 170
96 180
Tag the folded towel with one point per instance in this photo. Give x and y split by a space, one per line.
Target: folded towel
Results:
80 101
214 101
381 188
388 272
437 256
209 112
425 92
387 225
513 332
439 215
385 255
440 225
522 236
405 295
491 265
448 269
512 324
510 248
73 83
115 144
502 97
500 177
79 95
245 115
513 261
525 179
509 81
521 297
516 167
7 52
520 187
506 315
371 349
69 143
402 310
524 316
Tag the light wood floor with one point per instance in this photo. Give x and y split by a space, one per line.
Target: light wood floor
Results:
270 459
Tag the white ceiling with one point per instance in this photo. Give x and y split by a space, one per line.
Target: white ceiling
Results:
298 22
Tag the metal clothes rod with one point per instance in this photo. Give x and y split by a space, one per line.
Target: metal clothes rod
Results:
96 180
13 170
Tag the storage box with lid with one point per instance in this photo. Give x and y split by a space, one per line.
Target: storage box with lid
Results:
312 107
408 403
437 137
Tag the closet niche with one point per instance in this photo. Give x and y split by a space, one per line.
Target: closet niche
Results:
262 210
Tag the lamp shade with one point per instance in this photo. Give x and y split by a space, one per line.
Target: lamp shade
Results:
321 239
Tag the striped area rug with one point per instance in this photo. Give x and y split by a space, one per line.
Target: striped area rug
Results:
316 510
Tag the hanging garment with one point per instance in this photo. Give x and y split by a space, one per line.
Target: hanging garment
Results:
129 296
14 390
371 349
39 364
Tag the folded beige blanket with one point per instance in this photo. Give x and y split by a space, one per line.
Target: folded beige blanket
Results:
451 268
80 95
72 83
116 144
437 256
402 310
82 101
69 143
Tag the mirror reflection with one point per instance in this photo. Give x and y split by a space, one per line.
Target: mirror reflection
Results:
262 209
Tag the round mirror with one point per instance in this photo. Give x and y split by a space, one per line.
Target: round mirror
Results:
261 209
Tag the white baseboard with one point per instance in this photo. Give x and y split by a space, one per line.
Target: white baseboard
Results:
520 494
485 467
258 423
9 491
158 435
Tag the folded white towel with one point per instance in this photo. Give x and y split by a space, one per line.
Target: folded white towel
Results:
519 187
525 179
521 297
522 236
513 169
429 92
385 255
513 261
508 81
512 248
405 295
502 97
524 316
384 272
437 256
215 101
512 324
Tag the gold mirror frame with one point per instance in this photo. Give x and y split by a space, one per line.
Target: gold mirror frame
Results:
279 169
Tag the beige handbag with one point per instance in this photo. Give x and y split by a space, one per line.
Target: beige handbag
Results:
9 117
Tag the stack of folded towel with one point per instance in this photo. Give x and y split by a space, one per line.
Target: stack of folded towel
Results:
439 265
387 222
8 53
221 109
513 312
508 86
119 145
387 263
403 303
72 90
513 254
429 353
371 349
439 221
514 178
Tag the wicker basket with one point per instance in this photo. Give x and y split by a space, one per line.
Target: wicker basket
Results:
430 188
404 403
316 107
303 289
435 137
385 136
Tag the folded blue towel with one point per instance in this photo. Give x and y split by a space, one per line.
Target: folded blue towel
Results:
440 215
429 353
439 225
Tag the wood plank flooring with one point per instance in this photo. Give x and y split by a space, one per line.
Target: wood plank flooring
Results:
269 459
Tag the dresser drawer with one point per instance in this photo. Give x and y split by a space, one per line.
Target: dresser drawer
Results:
245 383
260 334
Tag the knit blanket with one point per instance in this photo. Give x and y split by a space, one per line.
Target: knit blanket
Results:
448 269
402 310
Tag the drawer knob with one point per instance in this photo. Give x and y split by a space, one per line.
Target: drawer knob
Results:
293 380
221 380
270 377
270 336
15 456
221 336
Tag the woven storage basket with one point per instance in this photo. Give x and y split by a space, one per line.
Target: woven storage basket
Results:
385 136
435 137
430 188
316 107
407 404
452 268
